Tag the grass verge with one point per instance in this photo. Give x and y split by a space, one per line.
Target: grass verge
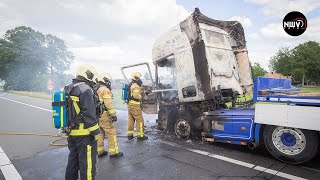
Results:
117 101
310 89
41 95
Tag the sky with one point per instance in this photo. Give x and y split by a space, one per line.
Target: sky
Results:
109 34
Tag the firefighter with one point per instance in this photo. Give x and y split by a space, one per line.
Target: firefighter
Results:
107 118
134 109
83 128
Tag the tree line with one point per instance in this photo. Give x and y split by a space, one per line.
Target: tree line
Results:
28 59
302 63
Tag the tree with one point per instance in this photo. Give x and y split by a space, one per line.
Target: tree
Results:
29 58
301 62
282 62
307 60
257 70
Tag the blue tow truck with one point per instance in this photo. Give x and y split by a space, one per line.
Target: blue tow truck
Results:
202 66
284 119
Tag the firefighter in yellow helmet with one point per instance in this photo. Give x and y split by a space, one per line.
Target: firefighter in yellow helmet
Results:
134 108
83 128
107 126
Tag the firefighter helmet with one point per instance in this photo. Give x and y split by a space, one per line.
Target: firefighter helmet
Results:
104 77
136 76
86 71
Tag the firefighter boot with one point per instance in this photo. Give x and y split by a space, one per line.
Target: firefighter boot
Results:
142 138
104 153
120 154
130 137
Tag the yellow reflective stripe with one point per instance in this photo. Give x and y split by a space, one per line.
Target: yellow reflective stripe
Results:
95 127
78 132
76 107
134 102
130 132
138 91
89 163
100 149
100 99
61 112
141 130
116 144
111 111
81 125
53 111
74 98
112 151
107 97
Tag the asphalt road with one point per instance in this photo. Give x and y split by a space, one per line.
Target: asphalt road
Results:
163 156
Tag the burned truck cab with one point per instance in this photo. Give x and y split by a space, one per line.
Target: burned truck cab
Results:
200 65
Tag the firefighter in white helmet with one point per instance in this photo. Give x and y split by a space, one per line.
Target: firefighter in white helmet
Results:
107 119
83 128
134 108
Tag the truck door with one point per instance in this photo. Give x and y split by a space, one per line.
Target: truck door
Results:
149 99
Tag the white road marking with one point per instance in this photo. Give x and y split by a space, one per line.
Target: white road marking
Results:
26 104
3 94
237 162
4 160
241 163
10 172
311 169
7 168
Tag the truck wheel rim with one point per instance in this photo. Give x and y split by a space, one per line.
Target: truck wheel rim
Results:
183 129
290 141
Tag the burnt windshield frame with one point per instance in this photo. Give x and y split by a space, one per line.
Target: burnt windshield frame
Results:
168 62
166 68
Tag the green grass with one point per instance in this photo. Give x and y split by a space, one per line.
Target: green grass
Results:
245 97
41 95
310 89
117 101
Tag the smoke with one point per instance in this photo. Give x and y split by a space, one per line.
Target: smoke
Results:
29 59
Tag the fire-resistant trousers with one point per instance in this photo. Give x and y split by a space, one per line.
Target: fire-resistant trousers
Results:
135 115
82 156
107 127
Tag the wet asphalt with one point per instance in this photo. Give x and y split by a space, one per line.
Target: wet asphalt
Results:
34 158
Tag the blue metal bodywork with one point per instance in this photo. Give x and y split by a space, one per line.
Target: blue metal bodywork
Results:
234 125
280 91
237 126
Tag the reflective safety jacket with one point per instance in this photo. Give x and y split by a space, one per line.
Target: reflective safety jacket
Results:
83 110
135 93
105 96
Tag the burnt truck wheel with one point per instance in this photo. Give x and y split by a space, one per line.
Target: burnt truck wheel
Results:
182 128
291 145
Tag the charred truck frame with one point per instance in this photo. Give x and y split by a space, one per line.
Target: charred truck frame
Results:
208 66
201 65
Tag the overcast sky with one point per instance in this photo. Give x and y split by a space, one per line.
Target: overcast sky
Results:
112 33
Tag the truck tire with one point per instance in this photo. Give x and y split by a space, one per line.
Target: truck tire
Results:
183 128
291 145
